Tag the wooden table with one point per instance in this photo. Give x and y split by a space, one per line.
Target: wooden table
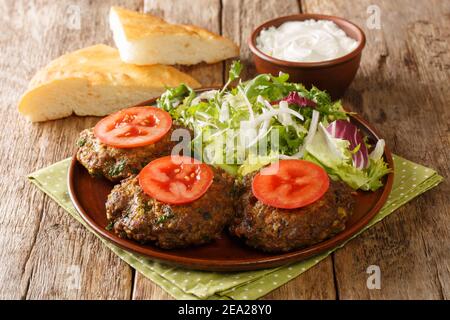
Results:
402 88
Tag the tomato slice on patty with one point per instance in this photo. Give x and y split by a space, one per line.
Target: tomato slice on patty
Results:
133 127
176 179
290 184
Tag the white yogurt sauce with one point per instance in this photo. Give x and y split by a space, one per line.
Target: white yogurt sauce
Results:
305 41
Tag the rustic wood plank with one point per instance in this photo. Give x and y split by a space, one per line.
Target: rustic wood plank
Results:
145 289
315 284
206 14
239 19
44 252
402 88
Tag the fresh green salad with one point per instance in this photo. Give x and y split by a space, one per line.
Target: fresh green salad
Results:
260 121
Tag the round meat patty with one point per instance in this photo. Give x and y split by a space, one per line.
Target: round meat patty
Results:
116 164
277 230
135 215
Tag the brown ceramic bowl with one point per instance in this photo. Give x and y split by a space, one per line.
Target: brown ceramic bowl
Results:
334 75
89 195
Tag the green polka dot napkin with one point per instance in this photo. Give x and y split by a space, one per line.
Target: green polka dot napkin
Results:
410 180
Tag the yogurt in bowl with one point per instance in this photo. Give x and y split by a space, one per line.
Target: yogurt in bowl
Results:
314 49
305 41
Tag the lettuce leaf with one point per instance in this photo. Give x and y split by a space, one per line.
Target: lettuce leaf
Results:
340 165
255 162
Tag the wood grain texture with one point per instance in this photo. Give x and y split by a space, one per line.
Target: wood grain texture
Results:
145 289
403 89
44 252
315 284
241 17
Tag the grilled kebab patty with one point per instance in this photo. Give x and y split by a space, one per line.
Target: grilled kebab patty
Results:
135 215
277 230
116 164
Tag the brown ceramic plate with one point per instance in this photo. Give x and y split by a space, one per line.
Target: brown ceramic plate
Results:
89 194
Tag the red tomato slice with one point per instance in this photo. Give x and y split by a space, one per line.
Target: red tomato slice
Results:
290 184
176 179
133 127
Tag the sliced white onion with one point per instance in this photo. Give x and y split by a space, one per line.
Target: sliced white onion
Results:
203 114
378 151
285 157
195 101
247 102
266 103
176 103
311 133
292 112
206 124
265 118
224 114
218 133
208 95
275 112
261 133
285 118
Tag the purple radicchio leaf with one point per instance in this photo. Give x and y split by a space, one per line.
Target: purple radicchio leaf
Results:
345 130
294 98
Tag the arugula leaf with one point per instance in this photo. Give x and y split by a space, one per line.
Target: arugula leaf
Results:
110 226
167 214
290 139
235 70
117 168
233 74
269 87
81 142
377 170
174 96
